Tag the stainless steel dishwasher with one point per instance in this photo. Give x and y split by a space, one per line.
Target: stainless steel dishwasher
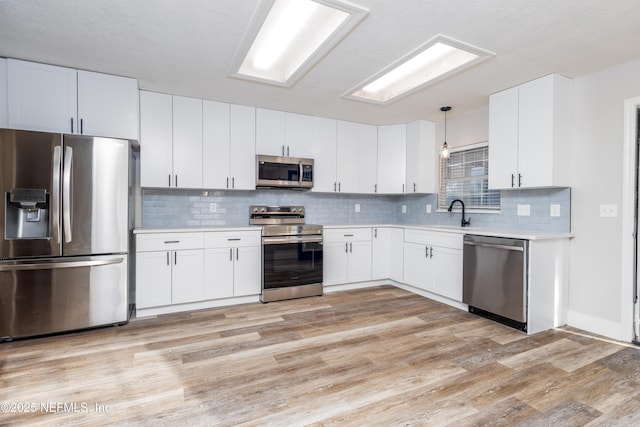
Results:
494 278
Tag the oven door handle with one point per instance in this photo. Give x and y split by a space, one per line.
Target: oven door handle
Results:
279 240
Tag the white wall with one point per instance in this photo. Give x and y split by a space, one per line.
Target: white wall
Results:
596 284
464 129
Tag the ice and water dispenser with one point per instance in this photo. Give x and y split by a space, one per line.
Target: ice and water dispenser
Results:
27 214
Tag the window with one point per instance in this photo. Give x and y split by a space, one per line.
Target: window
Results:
465 175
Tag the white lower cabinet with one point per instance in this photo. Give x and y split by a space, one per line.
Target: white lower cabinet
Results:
346 255
233 262
387 253
433 262
169 269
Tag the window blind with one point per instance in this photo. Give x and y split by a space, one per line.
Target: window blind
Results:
465 175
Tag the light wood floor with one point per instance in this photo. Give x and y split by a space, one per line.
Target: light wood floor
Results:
377 356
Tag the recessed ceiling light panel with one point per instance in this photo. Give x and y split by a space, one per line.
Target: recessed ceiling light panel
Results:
435 60
287 37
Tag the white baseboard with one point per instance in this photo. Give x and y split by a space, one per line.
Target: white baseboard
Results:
177 308
595 325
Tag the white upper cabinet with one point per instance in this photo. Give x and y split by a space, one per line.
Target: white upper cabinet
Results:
187 142
323 143
42 97
357 158
4 120
421 160
530 134
156 139
391 159
57 99
170 141
270 132
228 146
108 105
298 135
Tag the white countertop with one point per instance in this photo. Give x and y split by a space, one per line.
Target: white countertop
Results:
480 231
197 229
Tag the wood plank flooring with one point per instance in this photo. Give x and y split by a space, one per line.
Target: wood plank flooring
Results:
376 356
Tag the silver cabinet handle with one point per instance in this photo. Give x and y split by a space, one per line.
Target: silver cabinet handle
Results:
426 251
339 190
66 194
175 258
172 241
414 187
237 254
346 248
71 124
230 254
283 150
519 180
176 181
235 239
375 233
227 182
350 247
348 235
81 126
513 180
334 187
168 258
287 150
55 199
375 188
403 188
431 252
233 182
169 180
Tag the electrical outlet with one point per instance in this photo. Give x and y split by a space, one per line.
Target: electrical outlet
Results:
357 207
428 208
404 208
213 207
524 210
608 211
554 210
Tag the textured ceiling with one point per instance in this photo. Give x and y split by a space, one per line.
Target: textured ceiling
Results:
185 47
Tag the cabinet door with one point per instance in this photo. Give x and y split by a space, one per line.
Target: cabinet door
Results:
215 145
242 161
153 279
270 132
323 142
4 119
334 261
391 159
535 133
42 97
187 276
218 273
348 157
380 261
359 263
421 158
187 142
396 253
107 105
368 158
298 141
447 273
156 139
247 274
503 139
417 269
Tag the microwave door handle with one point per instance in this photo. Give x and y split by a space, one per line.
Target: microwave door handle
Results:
66 193
300 172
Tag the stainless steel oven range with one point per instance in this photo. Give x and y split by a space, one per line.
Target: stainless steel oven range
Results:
291 253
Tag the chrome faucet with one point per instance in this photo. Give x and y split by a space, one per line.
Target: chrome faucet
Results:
464 222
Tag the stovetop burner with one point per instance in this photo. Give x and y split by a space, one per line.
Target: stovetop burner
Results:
282 221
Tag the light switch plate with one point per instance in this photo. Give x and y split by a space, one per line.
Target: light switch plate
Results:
428 208
554 210
213 207
524 210
357 207
404 208
608 211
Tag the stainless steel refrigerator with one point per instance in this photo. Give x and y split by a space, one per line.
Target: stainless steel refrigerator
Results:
65 226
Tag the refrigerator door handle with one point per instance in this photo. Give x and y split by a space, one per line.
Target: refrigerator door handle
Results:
55 197
66 193
26 265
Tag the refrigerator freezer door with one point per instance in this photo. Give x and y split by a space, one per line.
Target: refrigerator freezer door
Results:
95 189
29 164
45 296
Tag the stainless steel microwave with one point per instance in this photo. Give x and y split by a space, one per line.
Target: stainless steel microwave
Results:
284 172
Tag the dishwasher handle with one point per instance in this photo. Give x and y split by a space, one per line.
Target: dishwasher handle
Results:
492 245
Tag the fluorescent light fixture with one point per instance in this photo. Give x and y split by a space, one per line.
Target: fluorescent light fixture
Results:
287 37
434 61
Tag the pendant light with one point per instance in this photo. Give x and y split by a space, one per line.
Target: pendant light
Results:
444 151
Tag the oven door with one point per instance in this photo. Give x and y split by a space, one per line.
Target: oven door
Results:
291 261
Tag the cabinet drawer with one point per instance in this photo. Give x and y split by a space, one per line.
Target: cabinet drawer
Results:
225 239
433 238
169 241
347 235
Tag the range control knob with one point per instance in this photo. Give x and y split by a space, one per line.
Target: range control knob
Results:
263 209
255 209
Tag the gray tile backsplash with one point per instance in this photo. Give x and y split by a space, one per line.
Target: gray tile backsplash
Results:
173 208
